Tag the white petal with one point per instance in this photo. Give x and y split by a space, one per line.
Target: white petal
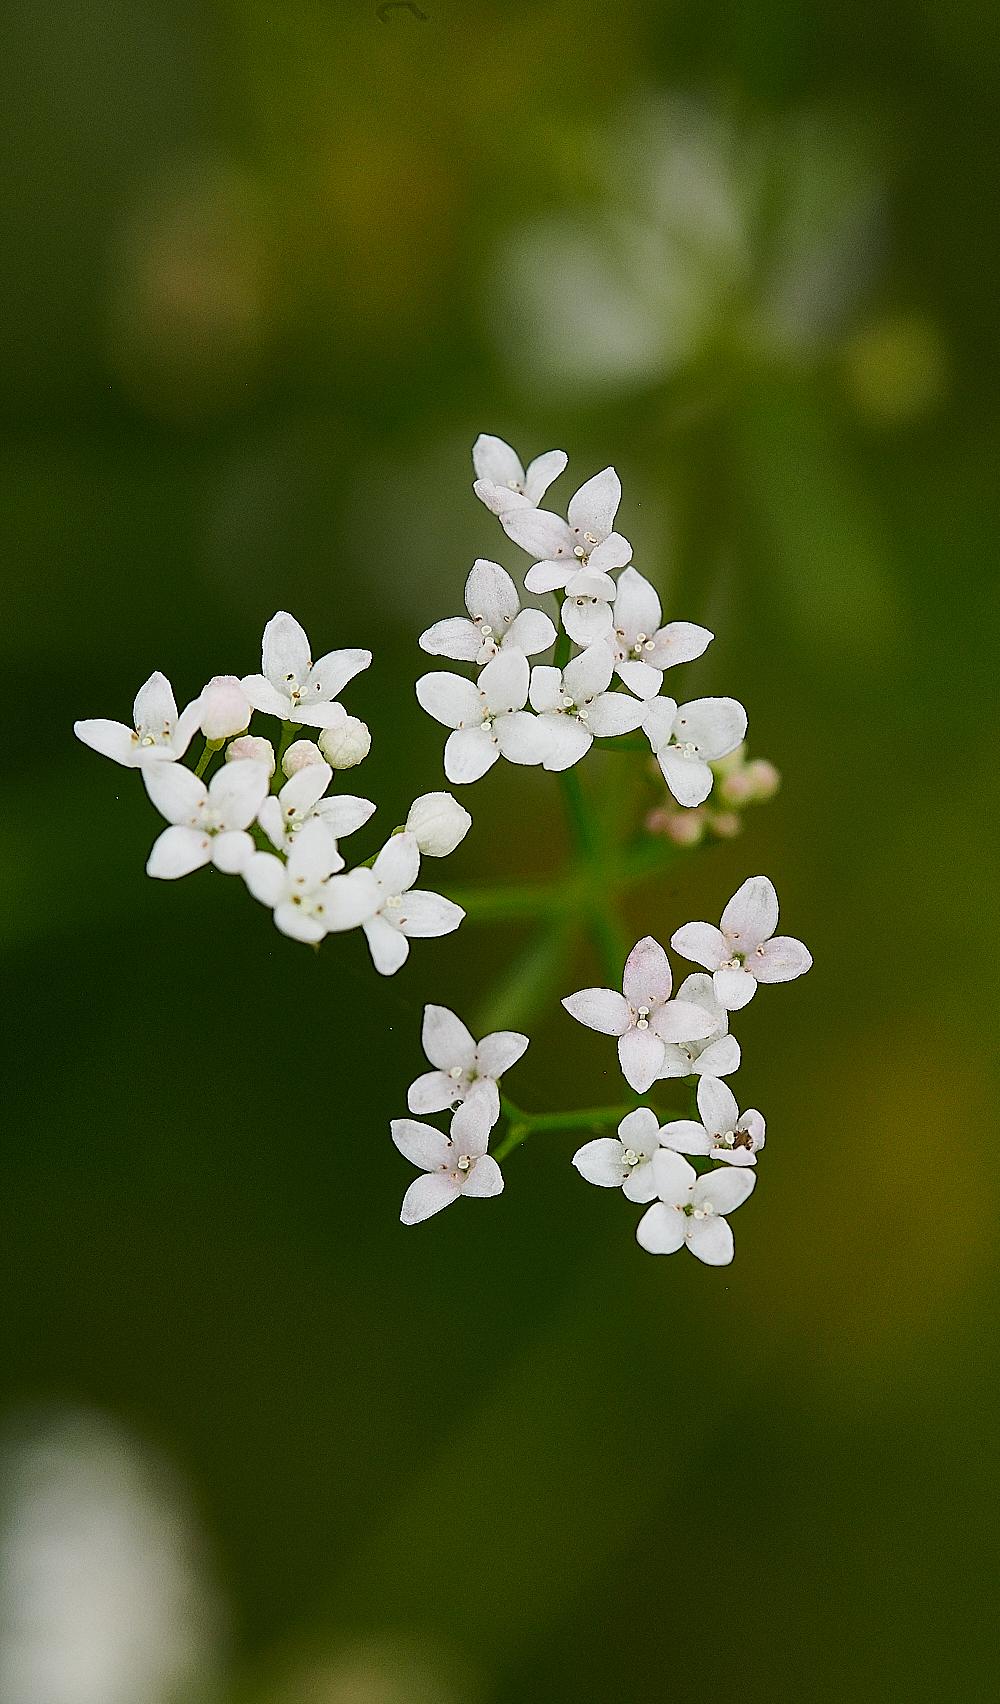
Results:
531 632
661 1230
541 472
272 822
679 1060
504 682
549 576
499 498
299 925
284 652
602 1162
615 713
640 678
678 642
471 1125
344 813
389 949
641 1186
266 698
734 989
615 552
305 787
450 699
332 673
485 1089
111 739
176 792
446 1041
319 714
266 878
435 1091
600 1009
717 1105
496 461
699 990
522 738
714 725
398 864
637 607
594 506
753 1121
491 596
711 1239
350 900
780 960
314 853
455 637
423 915
187 723
689 779
684 1136
647 975
237 792
155 708
468 754
232 851
723 1190
177 852
751 915
496 1053
640 1054
543 535
589 673
566 741
484 1178
545 691
675 1179
701 942
427 1195
683 1020
421 1144
658 721
640 1131
720 1058
586 620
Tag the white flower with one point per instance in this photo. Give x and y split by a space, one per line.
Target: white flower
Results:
574 706
496 619
397 912
300 754
307 899
691 1209
464 1066
718 1053
456 1165
257 750
488 717
438 823
745 949
292 686
586 610
501 482
687 739
225 708
283 816
586 539
159 735
209 823
644 1017
642 649
724 1133
346 746
624 1161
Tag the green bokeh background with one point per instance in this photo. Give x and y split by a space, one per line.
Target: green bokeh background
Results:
570 1471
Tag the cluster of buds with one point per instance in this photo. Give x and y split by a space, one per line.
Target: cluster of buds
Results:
739 782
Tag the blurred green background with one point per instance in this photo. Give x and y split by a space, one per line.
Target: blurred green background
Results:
267 271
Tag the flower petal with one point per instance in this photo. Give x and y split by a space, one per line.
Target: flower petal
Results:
177 852
658 721
285 653
640 1131
541 472
701 942
640 678
299 925
711 1239
266 878
615 552
661 1230
266 698
468 754
678 642
589 673
421 1144
499 498
435 1091
675 1179
471 1125
566 741
455 637
427 1195
344 813
504 682
531 632
445 1040
683 1020
237 791
734 989
177 793
484 1178
602 1162
714 726
689 779
723 1190
112 739
155 708
313 853
545 690
272 822
781 960
647 975
720 1058
549 576
717 1105
491 595
640 1054
522 738
496 461
751 915
319 714
389 949
600 1009
232 851
398 864
640 1186
450 699
594 506
332 673
543 535
496 1053
423 915
586 619
684 1136
615 713
485 1089
637 607
350 900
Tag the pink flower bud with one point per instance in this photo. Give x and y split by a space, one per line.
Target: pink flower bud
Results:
726 824
765 778
257 750
736 788
684 828
346 746
299 756
225 708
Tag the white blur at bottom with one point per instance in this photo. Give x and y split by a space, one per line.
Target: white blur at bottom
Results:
102 1596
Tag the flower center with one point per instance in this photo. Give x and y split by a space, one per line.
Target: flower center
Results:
642 1017
631 1158
465 1162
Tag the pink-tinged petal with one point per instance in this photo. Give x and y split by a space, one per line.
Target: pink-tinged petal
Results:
589 673
714 726
232 852
155 708
734 989
285 650
389 949
188 722
684 1136
751 915
586 619
495 461
658 722
344 813
637 607
298 924
601 1162
491 595
711 1240
422 1145
679 1059
499 498
266 697
678 642
272 821
450 699
496 1053
701 942
531 632
313 853
455 637
483 1179
640 1054
641 679
468 754
723 1191
398 864
435 1091
446 1041
689 779
780 960
683 1020
485 1089
504 682
661 1230
594 506
471 1125
720 1058
615 713
543 535
545 691
266 878
717 1105
615 552
177 793
111 739
522 738
566 741
350 900
647 975
675 1179
600 1009
753 1122
541 472
640 1187
424 915
427 1195
237 792
177 852
549 576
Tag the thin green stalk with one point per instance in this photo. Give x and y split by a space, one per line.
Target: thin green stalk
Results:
211 747
288 733
587 1118
581 819
527 982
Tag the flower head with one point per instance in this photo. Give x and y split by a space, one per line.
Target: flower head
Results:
463 1066
457 1164
641 647
346 746
744 950
574 706
624 1161
292 686
585 539
501 482
496 620
159 734
225 708
692 1209
307 898
208 823
686 739
399 913
643 1016
257 750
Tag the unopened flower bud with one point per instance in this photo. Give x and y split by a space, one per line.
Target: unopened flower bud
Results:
299 756
737 788
257 750
726 824
684 828
438 823
225 708
765 778
346 746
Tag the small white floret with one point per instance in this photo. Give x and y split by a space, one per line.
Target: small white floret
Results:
744 950
292 686
159 734
462 1066
438 823
643 1016
692 1209
457 1164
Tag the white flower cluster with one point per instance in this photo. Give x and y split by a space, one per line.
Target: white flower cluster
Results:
284 842
663 1037
550 715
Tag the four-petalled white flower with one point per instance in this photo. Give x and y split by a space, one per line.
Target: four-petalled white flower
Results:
208 823
159 734
282 816
585 539
724 1133
488 717
643 1017
692 1209
292 686
574 706
501 482
307 898
641 647
495 619
624 1161
455 1165
744 950
463 1066
718 1053
399 913
687 738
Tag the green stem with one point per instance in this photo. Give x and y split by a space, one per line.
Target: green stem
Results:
578 811
587 1118
520 899
560 656
527 982
211 747
288 733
